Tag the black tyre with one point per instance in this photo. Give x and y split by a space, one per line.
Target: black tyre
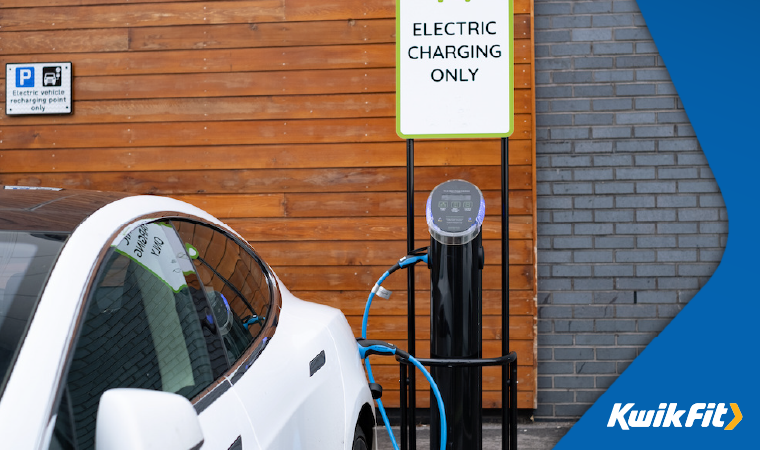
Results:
360 439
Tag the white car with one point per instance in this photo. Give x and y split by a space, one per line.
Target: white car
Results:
133 322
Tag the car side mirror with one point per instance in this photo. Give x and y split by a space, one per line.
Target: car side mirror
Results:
139 418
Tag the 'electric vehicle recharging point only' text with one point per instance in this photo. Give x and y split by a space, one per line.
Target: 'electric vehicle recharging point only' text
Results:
455 211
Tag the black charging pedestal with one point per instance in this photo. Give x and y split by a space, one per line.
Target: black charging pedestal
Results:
455 213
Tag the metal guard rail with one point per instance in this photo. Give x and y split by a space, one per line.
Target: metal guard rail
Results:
508 414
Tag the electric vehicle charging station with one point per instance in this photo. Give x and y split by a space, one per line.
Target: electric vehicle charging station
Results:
455 212
429 109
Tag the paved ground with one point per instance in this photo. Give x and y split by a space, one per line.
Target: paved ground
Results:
530 436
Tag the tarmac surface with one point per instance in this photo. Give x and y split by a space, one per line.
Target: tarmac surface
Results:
530 436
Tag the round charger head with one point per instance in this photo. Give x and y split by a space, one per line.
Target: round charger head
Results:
455 211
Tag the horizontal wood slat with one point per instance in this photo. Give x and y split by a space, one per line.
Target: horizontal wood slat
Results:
388 374
349 81
163 14
332 155
337 278
522 29
234 60
520 6
352 303
258 206
307 10
526 377
225 36
192 12
383 204
237 61
361 228
491 399
394 327
338 32
388 377
491 349
240 84
373 252
221 133
36 3
371 181
222 108
369 9
232 108
28 43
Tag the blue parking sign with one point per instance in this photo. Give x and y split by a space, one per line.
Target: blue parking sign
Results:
24 77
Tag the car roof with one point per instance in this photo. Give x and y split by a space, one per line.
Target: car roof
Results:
51 210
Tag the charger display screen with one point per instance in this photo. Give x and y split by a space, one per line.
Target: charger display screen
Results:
456 197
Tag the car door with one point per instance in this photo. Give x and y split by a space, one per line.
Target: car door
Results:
293 390
148 324
246 302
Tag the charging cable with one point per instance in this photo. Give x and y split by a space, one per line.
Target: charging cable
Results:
373 347
379 290
253 320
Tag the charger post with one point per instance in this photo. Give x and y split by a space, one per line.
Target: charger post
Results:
455 211
429 107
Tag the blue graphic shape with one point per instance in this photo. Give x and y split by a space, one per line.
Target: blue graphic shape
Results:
24 77
707 353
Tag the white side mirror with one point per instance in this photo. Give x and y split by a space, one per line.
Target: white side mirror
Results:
141 419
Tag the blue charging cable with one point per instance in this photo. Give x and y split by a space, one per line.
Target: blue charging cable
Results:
372 347
379 289
367 347
252 320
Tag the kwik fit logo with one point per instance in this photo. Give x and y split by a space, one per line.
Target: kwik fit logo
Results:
668 415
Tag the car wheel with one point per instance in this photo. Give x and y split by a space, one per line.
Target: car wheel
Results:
360 439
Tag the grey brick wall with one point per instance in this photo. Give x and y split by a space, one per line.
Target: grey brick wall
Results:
631 222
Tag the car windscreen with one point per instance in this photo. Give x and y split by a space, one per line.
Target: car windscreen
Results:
26 259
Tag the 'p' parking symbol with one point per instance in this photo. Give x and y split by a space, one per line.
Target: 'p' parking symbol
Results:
25 77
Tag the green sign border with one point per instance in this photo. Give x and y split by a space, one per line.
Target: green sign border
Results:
458 136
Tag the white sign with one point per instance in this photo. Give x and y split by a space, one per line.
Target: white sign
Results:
151 245
454 62
38 88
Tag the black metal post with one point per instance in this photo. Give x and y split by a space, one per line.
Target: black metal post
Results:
402 404
411 380
456 332
505 378
512 405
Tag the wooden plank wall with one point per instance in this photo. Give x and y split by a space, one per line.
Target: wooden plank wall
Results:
278 117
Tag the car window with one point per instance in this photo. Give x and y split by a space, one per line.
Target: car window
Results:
148 325
26 260
236 284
